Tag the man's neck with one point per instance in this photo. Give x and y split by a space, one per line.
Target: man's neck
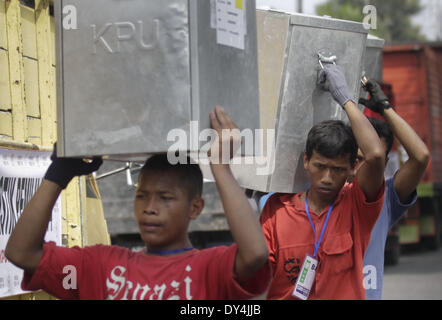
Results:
173 249
317 204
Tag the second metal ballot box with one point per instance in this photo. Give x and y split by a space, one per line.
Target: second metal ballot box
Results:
373 57
373 61
291 49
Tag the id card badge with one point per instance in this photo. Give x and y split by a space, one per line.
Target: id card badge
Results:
305 278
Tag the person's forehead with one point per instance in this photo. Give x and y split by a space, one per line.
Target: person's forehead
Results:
155 181
343 160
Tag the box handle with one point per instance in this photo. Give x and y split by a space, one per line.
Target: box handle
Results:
326 56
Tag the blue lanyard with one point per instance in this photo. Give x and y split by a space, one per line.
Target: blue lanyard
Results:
164 252
317 242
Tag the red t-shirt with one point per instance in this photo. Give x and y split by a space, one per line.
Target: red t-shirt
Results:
111 272
290 238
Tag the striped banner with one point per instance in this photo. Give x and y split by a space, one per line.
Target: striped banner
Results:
21 173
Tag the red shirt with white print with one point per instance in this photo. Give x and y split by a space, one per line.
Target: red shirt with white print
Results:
112 272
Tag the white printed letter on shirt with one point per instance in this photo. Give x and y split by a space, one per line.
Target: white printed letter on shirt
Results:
116 282
72 276
370 277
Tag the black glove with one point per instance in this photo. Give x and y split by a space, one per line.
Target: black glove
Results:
378 100
62 170
332 79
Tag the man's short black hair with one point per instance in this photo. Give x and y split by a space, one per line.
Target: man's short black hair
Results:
332 139
189 174
383 130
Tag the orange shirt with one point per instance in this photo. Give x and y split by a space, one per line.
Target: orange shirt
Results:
290 238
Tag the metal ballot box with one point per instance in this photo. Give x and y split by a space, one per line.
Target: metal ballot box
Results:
373 61
373 57
290 101
129 72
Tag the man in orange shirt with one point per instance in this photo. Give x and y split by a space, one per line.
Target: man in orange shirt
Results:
317 239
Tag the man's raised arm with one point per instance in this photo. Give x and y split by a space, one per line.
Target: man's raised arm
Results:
25 246
243 222
371 174
409 175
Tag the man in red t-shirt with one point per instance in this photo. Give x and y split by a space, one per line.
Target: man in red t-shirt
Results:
167 198
329 226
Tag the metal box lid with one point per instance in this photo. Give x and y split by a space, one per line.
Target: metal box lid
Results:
290 101
129 72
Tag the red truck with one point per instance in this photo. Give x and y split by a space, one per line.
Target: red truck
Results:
415 74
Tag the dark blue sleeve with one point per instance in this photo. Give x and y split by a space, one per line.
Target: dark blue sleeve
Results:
396 208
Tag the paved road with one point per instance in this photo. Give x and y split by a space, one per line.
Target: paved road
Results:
417 276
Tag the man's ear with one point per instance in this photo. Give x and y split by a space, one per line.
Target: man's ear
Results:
196 207
353 171
305 161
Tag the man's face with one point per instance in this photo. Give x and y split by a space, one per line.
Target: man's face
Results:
327 175
163 210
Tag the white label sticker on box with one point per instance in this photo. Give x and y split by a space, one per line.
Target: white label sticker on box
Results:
231 25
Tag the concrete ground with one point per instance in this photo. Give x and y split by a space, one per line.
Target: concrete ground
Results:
418 276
